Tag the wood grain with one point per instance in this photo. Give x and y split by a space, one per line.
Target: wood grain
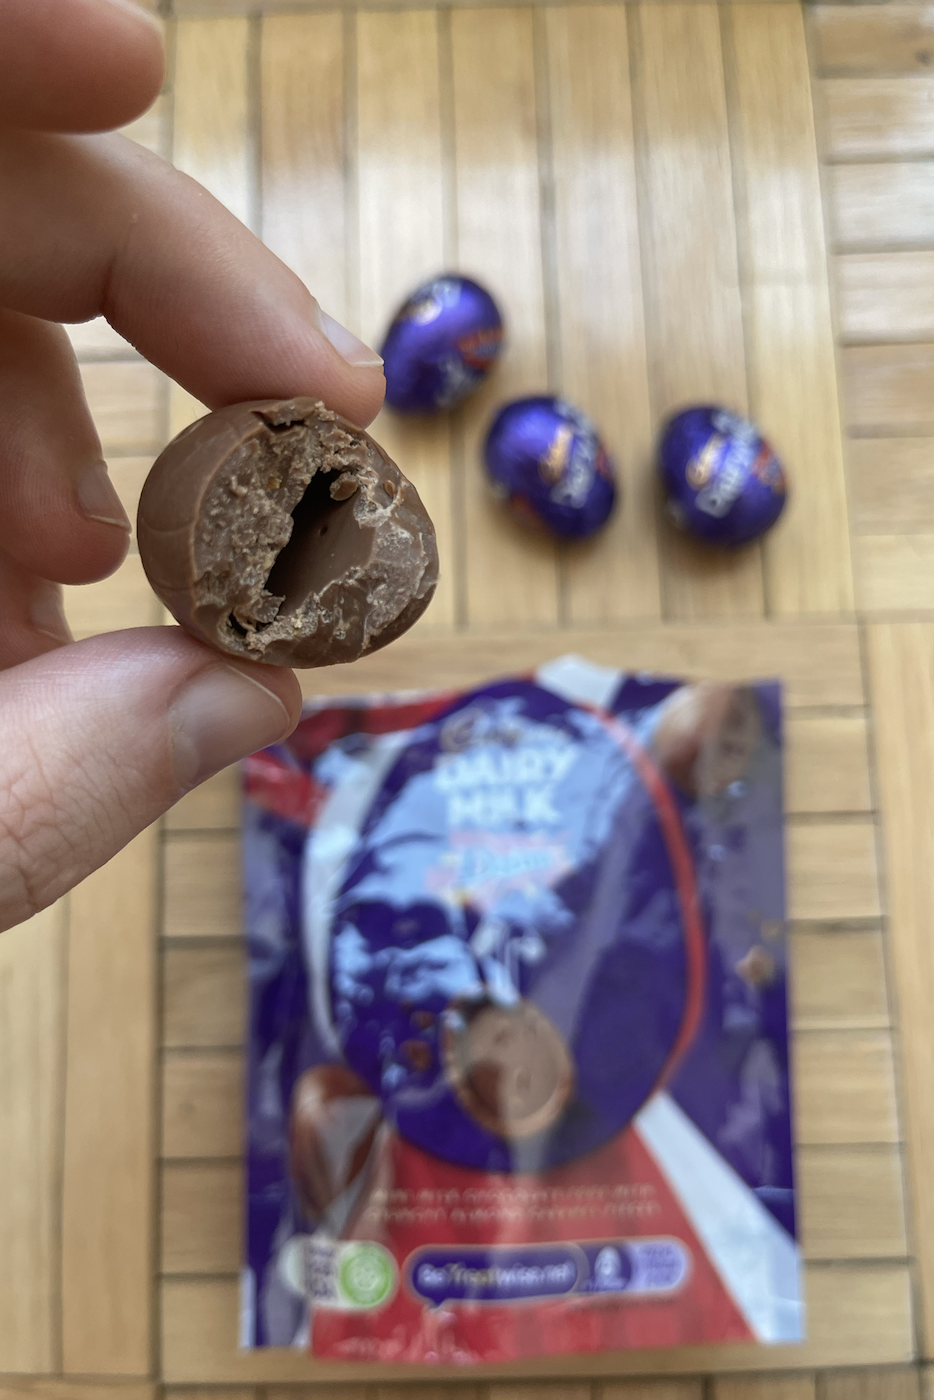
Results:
512 577
887 206
211 135
832 871
201 1217
202 1105
792 371
400 184
601 326
873 38
126 402
304 152
694 310
202 887
857 1314
889 387
895 573
873 118
897 1383
48 1388
838 981
901 668
203 996
844 1088
32 976
892 484
850 1202
107 1255
763 1388
885 296
826 764
818 664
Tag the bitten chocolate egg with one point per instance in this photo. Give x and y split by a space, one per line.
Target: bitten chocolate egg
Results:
441 345
545 459
276 531
723 482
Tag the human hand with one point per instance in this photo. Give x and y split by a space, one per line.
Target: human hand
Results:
102 736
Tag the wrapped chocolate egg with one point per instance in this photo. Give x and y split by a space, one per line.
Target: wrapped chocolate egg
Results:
545 459
723 481
441 345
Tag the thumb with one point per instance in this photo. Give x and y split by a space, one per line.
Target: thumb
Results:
108 734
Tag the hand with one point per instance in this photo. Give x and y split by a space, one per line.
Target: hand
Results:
102 736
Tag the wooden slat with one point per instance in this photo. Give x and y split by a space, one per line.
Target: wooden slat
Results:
832 871
838 981
125 399
524 1390
109 1109
47 1388
850 1202
303 151
687 1389
873 118
203 996
896 573
819 663
511 574
401 222
901 669
201 1217
31 1049
601 324
894 1383
887 205
857 1314
211 136
202 1105
826 764
890 387
202 887
844 1088
123 600
793 382
693 308
763 1388
214 805
239 1392
891 484
873 38
885 296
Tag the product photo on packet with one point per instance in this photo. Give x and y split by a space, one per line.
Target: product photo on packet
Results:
518 1060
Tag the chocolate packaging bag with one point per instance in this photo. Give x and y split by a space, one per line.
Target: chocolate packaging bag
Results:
518 1047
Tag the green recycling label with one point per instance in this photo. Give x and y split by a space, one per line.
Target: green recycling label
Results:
366 1274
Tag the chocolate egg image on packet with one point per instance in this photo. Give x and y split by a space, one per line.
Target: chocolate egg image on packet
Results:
478 958
441 345
723 482
545 459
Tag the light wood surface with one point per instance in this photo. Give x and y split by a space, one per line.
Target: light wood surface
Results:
642 187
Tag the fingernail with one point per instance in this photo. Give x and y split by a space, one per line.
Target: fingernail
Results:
220 717
47 616
98 499
346 343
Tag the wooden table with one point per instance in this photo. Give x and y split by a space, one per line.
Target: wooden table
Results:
641 186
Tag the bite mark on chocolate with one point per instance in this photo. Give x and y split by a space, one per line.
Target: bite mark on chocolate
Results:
280 533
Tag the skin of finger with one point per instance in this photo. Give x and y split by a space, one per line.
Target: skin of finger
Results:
31 618
76 65
92 765
97 224
47 439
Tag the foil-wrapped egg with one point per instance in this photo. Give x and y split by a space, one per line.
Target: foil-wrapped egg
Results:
723 482
441 345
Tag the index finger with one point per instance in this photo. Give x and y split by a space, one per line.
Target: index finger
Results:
96 224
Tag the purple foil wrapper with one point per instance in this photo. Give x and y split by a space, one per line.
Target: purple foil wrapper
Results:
545 459
441 345
723 481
